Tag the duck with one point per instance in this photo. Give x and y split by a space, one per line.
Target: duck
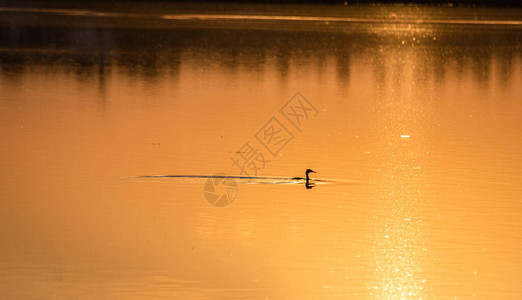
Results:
307 178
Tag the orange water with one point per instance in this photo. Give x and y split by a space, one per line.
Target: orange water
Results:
424 124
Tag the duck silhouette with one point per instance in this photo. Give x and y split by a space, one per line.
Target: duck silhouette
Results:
307 178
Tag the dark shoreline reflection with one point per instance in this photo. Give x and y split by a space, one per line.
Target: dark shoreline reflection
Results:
149 53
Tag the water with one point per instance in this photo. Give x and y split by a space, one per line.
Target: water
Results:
419 121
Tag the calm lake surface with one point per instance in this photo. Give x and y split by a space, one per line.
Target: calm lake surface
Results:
414 113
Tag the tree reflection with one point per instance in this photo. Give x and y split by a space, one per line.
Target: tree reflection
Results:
149 54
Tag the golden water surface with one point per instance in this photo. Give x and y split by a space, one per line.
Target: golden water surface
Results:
419 127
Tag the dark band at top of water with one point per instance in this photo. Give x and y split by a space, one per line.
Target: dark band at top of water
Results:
208 16
330 18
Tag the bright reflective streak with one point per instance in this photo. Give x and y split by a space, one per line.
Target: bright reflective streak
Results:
392 18
399 247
